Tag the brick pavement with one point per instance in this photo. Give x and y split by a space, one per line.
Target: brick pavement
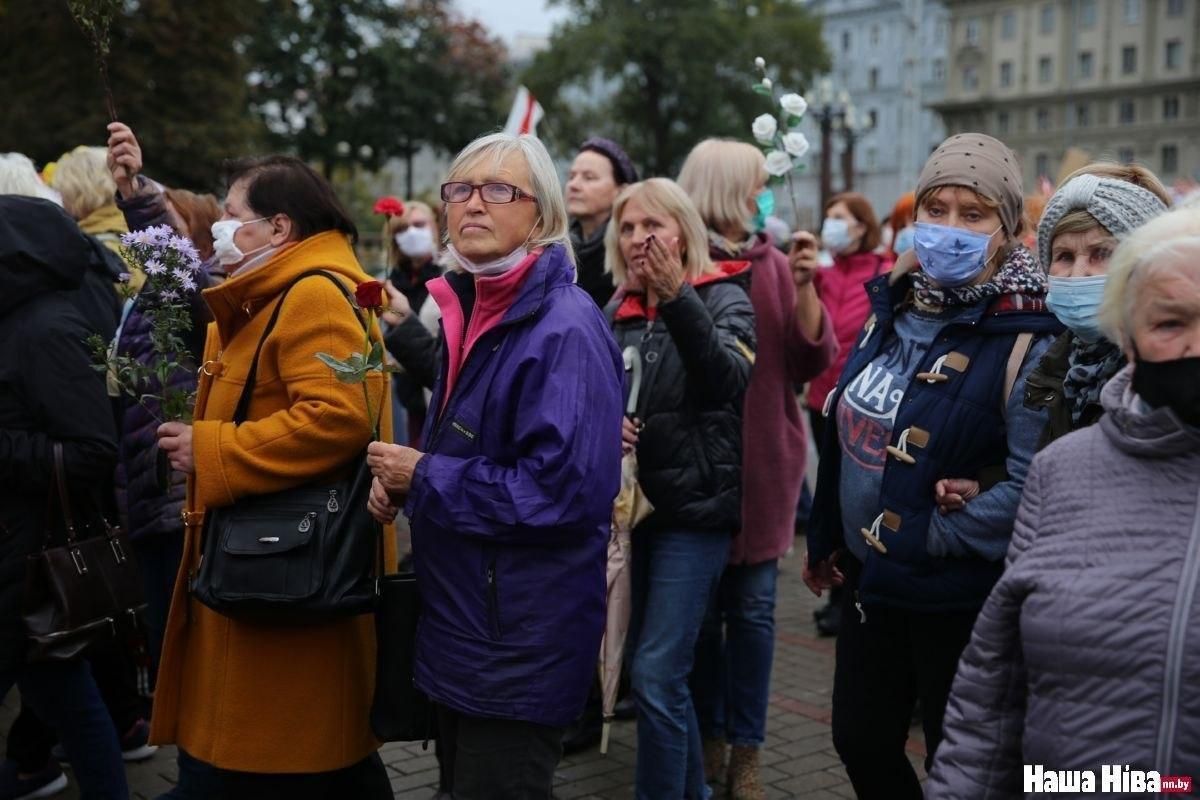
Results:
798 759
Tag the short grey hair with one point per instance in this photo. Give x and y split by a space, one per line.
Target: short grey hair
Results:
18 175
546 187
1168 239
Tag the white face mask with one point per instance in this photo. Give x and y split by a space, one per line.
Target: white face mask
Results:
415 242
226 251
497 266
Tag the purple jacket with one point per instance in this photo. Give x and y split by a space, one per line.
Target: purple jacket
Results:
510 508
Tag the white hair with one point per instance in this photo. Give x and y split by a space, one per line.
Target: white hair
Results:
552 227
1166 241
19 176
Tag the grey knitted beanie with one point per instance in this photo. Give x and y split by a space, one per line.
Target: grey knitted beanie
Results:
1117 205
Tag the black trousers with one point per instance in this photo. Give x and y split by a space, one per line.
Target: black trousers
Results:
497 759
884 665
366 780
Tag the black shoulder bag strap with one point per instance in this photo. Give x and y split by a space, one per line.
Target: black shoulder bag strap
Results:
243 406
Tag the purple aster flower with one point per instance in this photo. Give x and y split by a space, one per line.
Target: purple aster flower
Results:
154 267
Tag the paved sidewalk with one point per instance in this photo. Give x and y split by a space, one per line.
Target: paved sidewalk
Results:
798 760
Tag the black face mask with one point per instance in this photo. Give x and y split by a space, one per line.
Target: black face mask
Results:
1173 384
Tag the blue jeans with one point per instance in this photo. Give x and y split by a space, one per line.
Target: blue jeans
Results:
63 694
675 574
732 678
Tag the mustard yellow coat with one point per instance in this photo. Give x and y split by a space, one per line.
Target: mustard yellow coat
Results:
245 696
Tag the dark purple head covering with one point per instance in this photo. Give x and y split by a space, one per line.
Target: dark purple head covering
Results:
623 170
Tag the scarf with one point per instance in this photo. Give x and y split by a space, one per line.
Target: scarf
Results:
1089 367
1019 274
728 246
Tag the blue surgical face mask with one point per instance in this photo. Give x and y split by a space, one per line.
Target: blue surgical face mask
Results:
951 256
835 235
765 203
904 240
1076 302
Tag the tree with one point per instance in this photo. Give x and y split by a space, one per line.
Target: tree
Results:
674 71
177 79
355 82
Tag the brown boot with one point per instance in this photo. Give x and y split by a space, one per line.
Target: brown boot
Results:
743 783
714 760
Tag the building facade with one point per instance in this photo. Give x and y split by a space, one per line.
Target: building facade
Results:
1117 79
890 57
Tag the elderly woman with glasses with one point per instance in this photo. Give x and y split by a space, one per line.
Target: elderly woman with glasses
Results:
510 502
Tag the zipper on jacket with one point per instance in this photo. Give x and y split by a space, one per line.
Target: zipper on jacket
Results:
493 600
862 615
1184 596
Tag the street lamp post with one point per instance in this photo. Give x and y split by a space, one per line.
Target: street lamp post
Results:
828 116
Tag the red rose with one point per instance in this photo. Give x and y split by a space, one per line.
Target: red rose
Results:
390 206
369 294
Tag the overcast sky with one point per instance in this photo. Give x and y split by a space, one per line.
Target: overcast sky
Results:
507 18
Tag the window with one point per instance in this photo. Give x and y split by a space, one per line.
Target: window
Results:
1043 119
872 158
1003 122
1006 74
874 77
1085 64
1047 26
1008 25
1125 155
1133 12
970 78
1083 115
973 30
845 41
939 33
1170 159
1045 69
874 35
1174 8
873 119
1128 60
1174 54
1041 165
1087 14
1126 113
939 70
1171 107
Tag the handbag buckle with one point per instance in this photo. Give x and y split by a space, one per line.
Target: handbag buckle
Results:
118 551
77 557
306 523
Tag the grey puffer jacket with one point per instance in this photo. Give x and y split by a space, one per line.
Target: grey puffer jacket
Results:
1087 652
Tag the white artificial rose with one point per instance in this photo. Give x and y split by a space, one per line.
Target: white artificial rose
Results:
796 144
779 163
766 82
793 104
764 128
760 62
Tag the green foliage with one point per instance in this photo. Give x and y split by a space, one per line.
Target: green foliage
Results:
177 80
677 69
346 82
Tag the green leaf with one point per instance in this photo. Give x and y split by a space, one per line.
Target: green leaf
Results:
760 89
793 120
351 377
337 365
391 369
375 359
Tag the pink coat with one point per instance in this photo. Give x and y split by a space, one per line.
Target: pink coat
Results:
841 290
773 444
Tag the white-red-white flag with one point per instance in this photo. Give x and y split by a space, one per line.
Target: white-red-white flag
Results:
526 113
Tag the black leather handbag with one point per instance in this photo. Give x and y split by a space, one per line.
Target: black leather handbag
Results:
81 591
301 556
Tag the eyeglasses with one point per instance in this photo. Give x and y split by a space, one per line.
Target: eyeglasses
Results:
492 193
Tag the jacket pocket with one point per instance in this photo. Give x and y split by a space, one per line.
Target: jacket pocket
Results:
493 600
